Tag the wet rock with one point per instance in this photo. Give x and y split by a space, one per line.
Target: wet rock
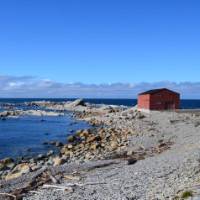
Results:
40 156
71 139
59 144
50 153
53 143
29 150
45 143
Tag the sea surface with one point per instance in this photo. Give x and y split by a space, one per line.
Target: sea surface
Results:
185 103
24 136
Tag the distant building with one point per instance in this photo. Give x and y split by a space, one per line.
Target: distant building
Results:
159 99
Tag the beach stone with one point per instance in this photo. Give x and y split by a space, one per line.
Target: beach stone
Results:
7 163
94 146
41 156
52 142
67 153
59 144
50 153
93 138
70 146
78 102
114 145
58 161
71 139
18 171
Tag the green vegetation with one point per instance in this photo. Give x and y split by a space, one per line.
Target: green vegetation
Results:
187 194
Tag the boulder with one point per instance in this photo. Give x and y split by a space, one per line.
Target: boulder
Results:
57 161
113 145
6 163
71 139
59 144
18 171
78 102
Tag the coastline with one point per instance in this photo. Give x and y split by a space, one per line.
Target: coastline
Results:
124 144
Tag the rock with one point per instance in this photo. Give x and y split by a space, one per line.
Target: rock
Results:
69 154
140 115
50 153
84 134
7 163
18 171
113 145
41 156
94 146
93 138
29 150
78 102
52 142
87 156
32 160
59 144
35 167
69 146
131 161
71 139
57 161
50 162
197 123
130 153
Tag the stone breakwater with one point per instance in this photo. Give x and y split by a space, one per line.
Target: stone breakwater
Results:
126 155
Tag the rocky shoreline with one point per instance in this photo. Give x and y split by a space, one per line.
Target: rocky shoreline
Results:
121 141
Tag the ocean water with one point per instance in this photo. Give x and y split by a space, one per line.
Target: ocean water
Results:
24 136
185 103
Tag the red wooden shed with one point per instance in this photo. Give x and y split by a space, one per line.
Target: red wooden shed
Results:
159 99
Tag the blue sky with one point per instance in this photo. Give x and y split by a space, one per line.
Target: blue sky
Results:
101 41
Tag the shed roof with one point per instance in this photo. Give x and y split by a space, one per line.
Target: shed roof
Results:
157 91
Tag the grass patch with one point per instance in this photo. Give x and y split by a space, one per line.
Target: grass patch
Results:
187 194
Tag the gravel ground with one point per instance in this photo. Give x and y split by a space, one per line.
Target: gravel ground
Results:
160 176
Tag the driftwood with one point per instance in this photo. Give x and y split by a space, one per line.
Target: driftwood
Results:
69 177
62 188
48 176
33 184
9 195
73 185
53 179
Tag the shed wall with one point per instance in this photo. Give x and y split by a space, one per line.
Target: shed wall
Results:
144 101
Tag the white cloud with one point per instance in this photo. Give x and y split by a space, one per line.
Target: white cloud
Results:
27 86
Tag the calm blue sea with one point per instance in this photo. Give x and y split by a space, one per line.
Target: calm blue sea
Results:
24 136
185 103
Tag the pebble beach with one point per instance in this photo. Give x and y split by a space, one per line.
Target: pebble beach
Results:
125 154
